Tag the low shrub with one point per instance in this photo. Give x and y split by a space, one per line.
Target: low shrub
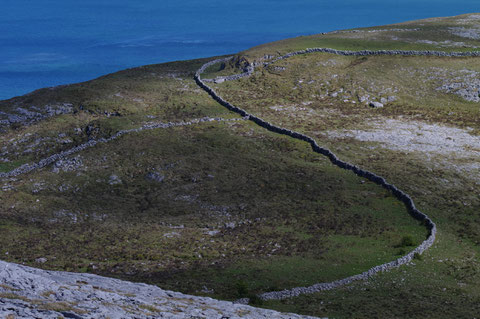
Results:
407 241
242 289
255 300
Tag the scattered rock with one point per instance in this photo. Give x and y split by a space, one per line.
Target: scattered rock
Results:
155 177
114 180
68 164
24 116
376 105
64 187
205 290
363 99
230 225
470 33
391 99
172 234
38 187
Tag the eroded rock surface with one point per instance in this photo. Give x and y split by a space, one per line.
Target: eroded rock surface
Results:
24 116
443 145
34 293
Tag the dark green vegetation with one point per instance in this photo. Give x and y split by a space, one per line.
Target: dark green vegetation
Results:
229 210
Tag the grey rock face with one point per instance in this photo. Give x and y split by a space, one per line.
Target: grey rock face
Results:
31 290
467 88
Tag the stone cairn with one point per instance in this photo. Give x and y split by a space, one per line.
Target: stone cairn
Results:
399 194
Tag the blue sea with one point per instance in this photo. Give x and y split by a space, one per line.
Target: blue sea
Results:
50 42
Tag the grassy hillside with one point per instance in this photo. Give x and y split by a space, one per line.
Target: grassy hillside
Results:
228 210
425 139
458 33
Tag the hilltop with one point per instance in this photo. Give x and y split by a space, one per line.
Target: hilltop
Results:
141 175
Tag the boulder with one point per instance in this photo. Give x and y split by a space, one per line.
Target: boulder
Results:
376 104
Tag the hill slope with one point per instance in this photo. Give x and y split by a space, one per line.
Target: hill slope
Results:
223 208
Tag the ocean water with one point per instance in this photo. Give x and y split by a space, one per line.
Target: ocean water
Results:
51 42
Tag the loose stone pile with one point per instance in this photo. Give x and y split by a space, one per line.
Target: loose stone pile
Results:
399 194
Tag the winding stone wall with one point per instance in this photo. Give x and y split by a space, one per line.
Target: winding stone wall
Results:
27 168
399 194
379 52
249 69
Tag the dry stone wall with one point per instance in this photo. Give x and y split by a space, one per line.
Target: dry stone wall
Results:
249 69
30 283
399 194
27 168
379 52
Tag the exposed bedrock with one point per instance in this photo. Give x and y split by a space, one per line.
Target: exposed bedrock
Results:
37 293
